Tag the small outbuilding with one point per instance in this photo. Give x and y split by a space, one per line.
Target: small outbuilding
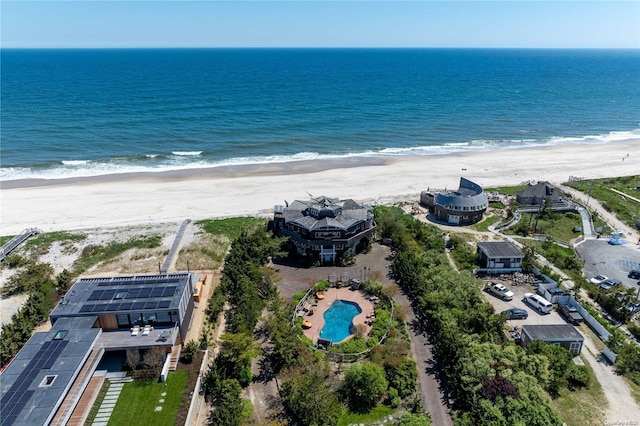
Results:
499 257
564 335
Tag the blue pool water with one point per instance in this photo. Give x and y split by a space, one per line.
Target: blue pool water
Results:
338 320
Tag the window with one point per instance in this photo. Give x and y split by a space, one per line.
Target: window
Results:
60 334
47 381
120 295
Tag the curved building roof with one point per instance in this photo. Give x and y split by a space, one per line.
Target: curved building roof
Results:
469 194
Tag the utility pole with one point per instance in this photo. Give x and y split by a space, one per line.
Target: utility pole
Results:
590 189
535 227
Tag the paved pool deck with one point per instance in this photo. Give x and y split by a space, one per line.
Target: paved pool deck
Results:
331 295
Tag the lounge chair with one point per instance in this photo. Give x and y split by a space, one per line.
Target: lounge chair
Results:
135 330
146 330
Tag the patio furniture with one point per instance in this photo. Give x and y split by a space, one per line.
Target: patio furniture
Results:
135 330
146 330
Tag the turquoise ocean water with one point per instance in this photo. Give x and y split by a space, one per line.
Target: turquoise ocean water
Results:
90 112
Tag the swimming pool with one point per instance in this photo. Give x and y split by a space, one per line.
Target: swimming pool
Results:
338 319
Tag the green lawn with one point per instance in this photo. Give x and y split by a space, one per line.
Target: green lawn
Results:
377 413
582 407
558 225
484 225
139 402
507 190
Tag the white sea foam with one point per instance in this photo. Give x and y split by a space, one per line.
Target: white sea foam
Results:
74 162
193 160
187 153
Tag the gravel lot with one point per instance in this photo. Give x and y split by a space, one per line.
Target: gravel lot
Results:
535 317
600 257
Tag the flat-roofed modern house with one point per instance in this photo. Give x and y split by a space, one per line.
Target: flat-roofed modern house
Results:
464 206
498 257
119 303
535 195
564 335
46 380
325 226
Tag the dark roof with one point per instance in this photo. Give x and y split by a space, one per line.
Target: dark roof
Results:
468 194
499 249
333 213
91 296
555 332
541 190
25 400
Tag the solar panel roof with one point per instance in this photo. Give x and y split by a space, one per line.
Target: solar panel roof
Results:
124 294
32 384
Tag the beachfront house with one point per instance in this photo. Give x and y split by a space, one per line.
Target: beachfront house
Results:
499 257
98 321
463 206
535 195
325 227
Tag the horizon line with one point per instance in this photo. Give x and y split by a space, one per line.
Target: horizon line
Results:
313 47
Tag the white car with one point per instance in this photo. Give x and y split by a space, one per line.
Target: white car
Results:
598 279
500 291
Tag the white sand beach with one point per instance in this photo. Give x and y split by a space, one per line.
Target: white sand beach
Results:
138 199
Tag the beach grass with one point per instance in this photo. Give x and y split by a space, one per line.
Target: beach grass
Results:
140 401
626 209
41 243
378 413
635 389
207 253
92 255
231 227
582 406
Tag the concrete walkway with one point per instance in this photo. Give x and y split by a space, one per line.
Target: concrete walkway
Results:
117 381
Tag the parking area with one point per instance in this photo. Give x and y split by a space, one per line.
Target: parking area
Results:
535 317
612 261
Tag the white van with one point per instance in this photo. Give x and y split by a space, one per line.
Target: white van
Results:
538 302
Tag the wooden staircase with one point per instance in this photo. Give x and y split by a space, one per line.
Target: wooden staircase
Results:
176 350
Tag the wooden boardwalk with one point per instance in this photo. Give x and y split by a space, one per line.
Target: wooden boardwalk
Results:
16 241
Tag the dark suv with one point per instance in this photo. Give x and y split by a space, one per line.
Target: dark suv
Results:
570 313
634 273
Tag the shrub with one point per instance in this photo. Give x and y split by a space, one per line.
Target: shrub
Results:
579 377
14 260
189 352
364 385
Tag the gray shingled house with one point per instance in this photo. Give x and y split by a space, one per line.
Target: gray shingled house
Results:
536 194
325 226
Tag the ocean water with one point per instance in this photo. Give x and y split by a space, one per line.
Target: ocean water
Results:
90 112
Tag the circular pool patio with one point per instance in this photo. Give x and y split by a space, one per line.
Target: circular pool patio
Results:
345 295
